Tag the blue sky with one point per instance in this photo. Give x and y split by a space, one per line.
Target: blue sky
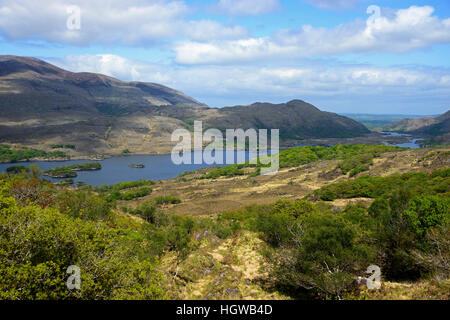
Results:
331 53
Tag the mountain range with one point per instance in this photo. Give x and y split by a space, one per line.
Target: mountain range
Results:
43 105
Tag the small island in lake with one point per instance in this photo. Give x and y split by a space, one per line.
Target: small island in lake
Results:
70 171
137 165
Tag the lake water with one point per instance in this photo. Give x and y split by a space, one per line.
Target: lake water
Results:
411 144
117 169
157 167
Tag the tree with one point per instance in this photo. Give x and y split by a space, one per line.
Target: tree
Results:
35 171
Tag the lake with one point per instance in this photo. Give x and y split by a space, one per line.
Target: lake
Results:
157 167
117 169
411 144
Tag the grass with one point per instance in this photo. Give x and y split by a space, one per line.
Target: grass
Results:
421 290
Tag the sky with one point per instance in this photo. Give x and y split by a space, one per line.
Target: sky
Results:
345 56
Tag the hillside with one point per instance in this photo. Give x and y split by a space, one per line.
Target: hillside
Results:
435 130
424 125
238 237
42 105
409 125
440 127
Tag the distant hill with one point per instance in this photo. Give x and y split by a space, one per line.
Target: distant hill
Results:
437 133
435 129
43 105
378 121
409 125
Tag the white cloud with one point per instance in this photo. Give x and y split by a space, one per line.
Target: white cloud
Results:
336 86
405 30
107 22
334 4
206 29
247 7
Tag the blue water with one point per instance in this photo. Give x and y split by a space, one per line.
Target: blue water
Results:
157 167
117 169
411 144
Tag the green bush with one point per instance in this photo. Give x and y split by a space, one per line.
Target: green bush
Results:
146 211
128 195
13 155
374 187
83 204
323 256
229 171
123 185
166 200
69 171
17 169
426 212
38 245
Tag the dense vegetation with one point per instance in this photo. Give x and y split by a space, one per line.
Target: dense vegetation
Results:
355 159
17 169
129 195
317 251
229 171
418 183
70 171
44 229
123 185
313 249
8 154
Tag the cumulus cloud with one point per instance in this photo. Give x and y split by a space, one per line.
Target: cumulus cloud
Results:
107 22
328 84
403 31
247 7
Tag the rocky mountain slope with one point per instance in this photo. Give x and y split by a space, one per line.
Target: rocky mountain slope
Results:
42 105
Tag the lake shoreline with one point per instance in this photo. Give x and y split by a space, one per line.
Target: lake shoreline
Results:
372 138
119 168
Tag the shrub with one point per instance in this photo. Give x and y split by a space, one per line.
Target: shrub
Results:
124 185
229 171
13 155
147 211
17 169
166 200
83 204
426 212
128 195
323 256
37 245
32 190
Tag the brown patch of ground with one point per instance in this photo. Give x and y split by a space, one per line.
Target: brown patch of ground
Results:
223 269
214 196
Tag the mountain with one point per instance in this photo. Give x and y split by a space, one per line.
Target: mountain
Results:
437 133
426 125
32 87
377 121
42 105
435 129
409 125
440 126
296 120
